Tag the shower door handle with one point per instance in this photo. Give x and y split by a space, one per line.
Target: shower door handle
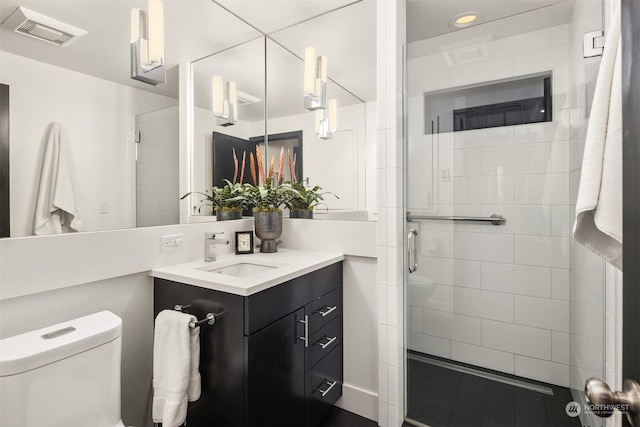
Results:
411 251
603 401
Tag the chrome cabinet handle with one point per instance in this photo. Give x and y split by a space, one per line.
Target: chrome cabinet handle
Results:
328 343
305 338
411 251
323 393
327 310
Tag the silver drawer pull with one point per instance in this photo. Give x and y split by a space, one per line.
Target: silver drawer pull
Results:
328 343
305 338
323 312
323 393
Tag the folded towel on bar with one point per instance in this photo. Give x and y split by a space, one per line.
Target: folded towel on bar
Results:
176 362
58 206
598 224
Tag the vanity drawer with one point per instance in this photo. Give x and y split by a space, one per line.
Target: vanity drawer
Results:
323 386
322 342
324 310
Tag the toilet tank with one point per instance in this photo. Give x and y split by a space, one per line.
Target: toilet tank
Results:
63 375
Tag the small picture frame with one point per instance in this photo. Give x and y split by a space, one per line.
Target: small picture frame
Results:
244 242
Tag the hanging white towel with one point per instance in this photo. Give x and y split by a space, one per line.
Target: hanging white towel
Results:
598 224
58 206
176 362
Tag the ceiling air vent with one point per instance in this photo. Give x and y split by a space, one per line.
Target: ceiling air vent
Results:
36 25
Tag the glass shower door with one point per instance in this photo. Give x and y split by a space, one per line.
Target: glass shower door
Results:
505 319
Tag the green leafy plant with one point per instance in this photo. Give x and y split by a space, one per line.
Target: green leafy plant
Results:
230 197
305 199
269 193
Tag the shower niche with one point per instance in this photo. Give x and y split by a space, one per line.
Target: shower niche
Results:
504 103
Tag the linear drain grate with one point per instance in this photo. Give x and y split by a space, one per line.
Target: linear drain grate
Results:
486 375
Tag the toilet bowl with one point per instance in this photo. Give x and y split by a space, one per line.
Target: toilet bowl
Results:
63 375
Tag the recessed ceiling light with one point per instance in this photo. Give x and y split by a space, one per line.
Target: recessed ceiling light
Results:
465 19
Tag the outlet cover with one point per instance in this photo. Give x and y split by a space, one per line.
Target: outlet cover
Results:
171 242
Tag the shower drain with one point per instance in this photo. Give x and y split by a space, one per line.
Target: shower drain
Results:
482 374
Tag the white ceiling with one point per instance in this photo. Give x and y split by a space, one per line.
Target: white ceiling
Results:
343 30
431 18
104 51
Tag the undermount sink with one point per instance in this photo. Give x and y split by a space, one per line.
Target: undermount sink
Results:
242 268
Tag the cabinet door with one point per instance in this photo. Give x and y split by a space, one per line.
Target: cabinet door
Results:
274 357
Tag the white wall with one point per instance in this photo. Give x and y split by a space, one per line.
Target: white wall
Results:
391 37
338 165
92 111
493 296
99 116
82 273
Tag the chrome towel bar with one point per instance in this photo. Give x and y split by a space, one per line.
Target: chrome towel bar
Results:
495 219
209 319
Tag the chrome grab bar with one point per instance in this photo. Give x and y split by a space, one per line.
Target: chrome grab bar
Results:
495 219
411 251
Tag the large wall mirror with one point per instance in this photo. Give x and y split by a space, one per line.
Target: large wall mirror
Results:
214 137
344 164
86 86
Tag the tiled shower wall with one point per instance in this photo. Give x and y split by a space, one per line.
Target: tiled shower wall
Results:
493 296
157 192
595 320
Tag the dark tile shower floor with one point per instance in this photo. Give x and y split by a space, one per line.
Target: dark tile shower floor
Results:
442 397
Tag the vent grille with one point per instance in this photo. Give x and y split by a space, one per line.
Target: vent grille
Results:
44 32
41 27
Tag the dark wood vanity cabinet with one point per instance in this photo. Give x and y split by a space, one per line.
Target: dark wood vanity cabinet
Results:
273 358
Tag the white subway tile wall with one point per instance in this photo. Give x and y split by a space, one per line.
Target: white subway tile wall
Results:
494 296
585 286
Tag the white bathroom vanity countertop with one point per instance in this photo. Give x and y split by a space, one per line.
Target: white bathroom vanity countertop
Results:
248 274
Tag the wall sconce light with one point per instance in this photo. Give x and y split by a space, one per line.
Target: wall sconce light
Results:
315 80
147 43
226 109
327 120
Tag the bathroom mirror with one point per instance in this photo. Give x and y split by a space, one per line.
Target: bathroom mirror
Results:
345 163
86 86
337 164
212 136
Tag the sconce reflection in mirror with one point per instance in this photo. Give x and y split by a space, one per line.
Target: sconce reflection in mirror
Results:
327 120
315 80
225 108
147 43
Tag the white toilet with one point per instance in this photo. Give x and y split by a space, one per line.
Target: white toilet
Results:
63 375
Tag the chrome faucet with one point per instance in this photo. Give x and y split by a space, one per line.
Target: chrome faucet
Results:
210 243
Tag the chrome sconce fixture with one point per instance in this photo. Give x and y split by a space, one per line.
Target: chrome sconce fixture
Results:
315 80
327 120
147 43
225 108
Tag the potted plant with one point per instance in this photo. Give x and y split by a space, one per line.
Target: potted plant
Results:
230 200
267 195
302 202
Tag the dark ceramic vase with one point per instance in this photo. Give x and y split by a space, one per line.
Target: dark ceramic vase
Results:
301 214
228 215
268 227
